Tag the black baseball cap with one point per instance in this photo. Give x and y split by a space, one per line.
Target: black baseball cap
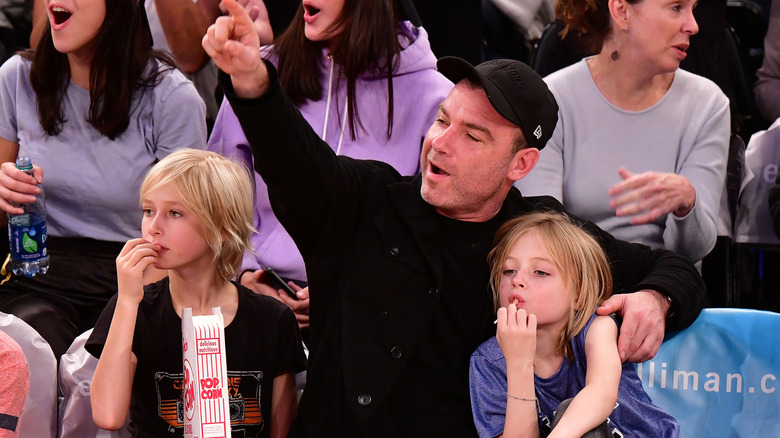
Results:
516 91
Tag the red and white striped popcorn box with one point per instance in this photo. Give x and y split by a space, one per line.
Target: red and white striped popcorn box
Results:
206 408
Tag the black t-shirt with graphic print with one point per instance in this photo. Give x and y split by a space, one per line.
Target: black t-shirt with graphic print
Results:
262 342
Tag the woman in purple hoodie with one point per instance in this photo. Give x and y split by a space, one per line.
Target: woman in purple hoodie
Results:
366 81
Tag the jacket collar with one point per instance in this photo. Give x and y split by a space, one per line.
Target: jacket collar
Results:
421 217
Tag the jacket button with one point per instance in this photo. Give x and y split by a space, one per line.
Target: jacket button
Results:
394 251
396 352
364 399
433 291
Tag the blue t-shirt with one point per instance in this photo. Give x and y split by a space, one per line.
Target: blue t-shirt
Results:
634 415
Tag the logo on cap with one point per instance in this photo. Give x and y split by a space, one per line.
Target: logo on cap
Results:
538 132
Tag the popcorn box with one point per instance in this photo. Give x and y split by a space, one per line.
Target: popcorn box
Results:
206 408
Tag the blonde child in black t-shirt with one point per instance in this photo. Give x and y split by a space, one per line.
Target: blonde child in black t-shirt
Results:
197 221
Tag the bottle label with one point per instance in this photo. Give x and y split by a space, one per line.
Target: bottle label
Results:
28 237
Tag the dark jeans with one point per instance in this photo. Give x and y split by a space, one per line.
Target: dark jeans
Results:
68 299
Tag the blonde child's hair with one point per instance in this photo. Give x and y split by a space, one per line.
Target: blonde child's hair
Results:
219 192
576 254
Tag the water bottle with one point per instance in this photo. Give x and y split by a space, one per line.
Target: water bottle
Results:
27 233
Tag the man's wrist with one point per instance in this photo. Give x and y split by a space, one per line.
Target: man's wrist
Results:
670 309
253 84
665 302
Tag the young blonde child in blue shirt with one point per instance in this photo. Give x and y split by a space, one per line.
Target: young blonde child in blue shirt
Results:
548 277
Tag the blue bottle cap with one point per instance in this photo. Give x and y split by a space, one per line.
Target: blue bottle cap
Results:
23 163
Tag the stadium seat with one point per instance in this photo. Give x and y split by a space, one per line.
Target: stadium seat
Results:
39 415
757 247
753 223
76 369
749 19
719 377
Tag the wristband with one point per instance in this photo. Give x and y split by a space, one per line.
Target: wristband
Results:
241 274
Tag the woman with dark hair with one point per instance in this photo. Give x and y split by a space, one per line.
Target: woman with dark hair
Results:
365 79
95 107
641 146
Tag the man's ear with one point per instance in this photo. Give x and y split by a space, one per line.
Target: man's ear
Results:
525 159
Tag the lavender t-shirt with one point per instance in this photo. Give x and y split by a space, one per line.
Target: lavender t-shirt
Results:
92 183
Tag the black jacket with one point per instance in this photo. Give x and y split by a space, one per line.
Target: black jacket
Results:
371 247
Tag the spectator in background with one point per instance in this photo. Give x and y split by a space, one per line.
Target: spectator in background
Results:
641 146
511 27
14 385
178 26
711 54
333 61
767 88
95 112
530 16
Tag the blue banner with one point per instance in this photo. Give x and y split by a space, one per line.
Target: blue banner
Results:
719 377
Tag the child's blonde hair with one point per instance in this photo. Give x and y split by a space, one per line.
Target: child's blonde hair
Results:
576 254
219 192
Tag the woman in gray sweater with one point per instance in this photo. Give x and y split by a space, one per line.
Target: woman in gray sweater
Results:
641 146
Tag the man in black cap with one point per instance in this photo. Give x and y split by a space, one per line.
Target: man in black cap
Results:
397 264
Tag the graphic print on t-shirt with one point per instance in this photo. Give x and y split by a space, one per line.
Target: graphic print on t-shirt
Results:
244 390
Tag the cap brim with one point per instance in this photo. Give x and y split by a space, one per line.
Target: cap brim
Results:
456 69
